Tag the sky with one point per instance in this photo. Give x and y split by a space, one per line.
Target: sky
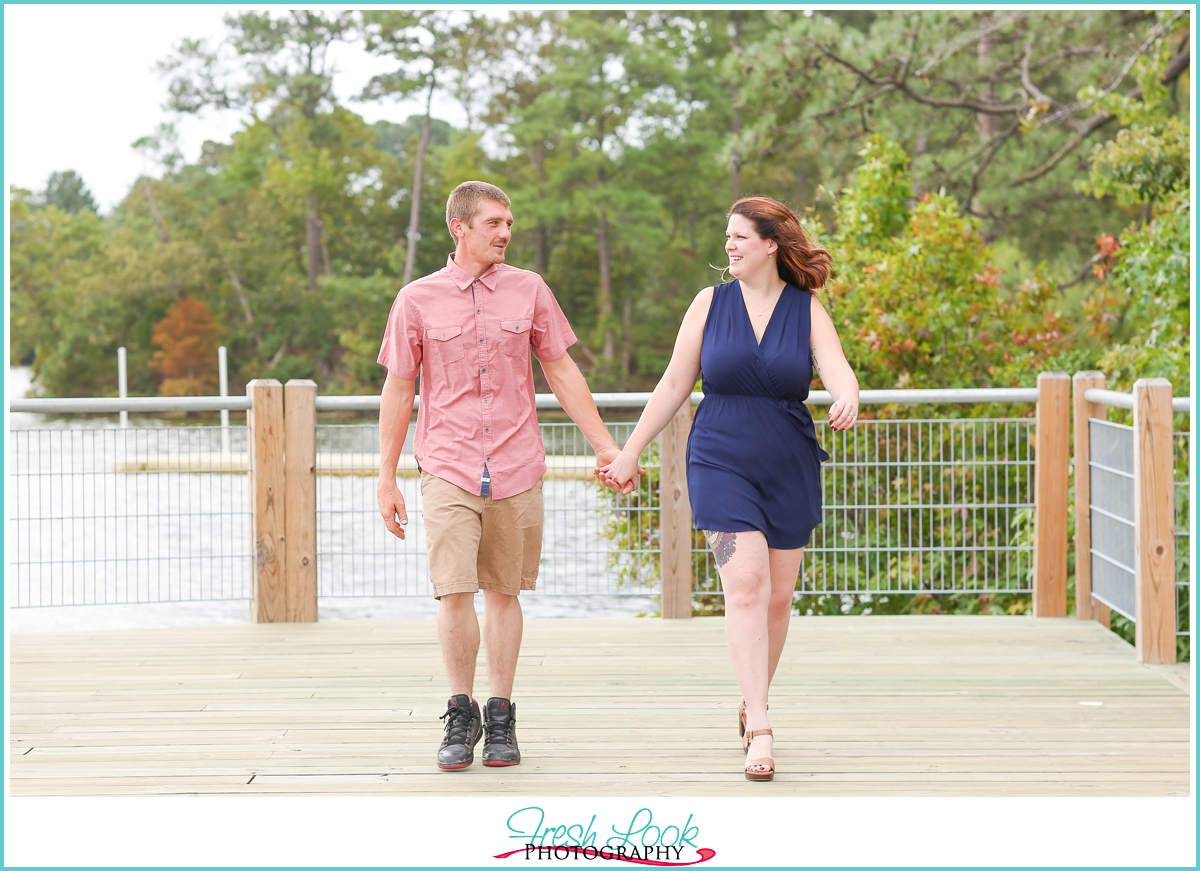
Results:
80 85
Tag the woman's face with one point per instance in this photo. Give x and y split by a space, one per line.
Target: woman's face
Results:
748 252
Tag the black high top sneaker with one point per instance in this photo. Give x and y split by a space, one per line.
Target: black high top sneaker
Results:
500 747
463 730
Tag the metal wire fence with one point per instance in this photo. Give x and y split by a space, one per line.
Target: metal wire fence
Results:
1183 534
1111 510
918 506
592 545
107 515
1113 529
161 514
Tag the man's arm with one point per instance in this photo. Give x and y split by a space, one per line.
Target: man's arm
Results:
573 393
395 412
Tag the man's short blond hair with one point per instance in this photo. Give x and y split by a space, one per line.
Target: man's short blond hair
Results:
466 200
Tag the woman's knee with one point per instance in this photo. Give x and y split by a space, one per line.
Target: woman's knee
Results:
781 601
746 591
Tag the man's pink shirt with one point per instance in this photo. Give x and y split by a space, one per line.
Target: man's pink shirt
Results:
470 340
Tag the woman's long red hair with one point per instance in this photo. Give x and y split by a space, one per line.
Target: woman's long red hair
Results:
800 260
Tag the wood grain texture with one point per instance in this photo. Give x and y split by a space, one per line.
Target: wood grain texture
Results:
676 555
268 603
300 468
899 706
1052 458
1154 520
1083 412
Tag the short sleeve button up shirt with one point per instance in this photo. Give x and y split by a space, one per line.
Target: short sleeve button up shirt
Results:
470 340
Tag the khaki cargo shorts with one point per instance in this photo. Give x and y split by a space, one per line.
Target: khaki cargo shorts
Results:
478 543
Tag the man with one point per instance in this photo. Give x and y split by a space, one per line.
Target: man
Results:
469 329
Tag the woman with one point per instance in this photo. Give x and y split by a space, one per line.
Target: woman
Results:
753 461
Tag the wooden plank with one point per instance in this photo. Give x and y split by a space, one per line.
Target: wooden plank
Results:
300 516
268 576
861 706
1051 481
1084 411
1154 521
676 519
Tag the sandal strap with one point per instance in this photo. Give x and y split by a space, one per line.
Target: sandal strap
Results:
757 732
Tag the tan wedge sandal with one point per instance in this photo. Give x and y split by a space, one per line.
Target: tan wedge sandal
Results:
742 725
766 761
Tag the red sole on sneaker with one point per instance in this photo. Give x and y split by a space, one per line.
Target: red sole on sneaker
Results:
500 764
454 767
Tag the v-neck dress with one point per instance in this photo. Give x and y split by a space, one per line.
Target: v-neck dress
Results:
753 460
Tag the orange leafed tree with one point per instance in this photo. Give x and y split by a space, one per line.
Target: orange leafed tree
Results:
187 338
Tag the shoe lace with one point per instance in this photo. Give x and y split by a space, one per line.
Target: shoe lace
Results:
458 721
500 730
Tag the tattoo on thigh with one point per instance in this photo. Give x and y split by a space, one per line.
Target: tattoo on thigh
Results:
723 545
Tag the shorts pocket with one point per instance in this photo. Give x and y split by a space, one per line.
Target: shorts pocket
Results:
515 337
445 343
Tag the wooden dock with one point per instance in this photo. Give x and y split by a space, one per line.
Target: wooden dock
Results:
863 706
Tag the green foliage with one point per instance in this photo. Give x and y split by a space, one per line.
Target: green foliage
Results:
1144 302
875 207
631 525
622 136
1141 164
66 191
917 297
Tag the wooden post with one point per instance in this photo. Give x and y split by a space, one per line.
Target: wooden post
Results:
1085 607
1154 521
1051 477
268 602
300 464
676 556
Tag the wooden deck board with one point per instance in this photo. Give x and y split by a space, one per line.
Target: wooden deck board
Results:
860 706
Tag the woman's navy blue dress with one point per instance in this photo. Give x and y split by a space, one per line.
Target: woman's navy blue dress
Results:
753 461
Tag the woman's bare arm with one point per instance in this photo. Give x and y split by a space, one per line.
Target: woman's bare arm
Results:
831 364
672 391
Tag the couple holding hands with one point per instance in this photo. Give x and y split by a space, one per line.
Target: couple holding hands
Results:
753 460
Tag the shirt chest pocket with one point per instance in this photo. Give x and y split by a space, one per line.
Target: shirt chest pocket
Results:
444 343
514 337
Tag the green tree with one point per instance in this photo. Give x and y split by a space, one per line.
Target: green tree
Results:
1142 307
284 66
66 191
436 50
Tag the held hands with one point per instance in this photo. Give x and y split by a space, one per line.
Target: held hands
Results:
843 413
620 473
391 506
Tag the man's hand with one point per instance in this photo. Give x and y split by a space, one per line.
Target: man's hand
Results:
391 506
620 473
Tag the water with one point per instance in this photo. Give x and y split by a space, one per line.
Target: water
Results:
169 548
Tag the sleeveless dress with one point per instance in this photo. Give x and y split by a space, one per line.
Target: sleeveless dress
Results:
753 460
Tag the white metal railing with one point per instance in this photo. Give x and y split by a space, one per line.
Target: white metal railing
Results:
150 404
948 529
1115 399
1133 541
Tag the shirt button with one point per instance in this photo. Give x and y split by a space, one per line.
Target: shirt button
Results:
487 429
485 370
481 341
478 311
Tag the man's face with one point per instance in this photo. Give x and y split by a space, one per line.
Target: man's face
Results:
487 236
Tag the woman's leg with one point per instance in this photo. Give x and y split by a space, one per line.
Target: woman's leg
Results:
785 568
743 563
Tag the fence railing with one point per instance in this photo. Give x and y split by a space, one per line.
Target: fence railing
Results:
921 505
1133 545
931 505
